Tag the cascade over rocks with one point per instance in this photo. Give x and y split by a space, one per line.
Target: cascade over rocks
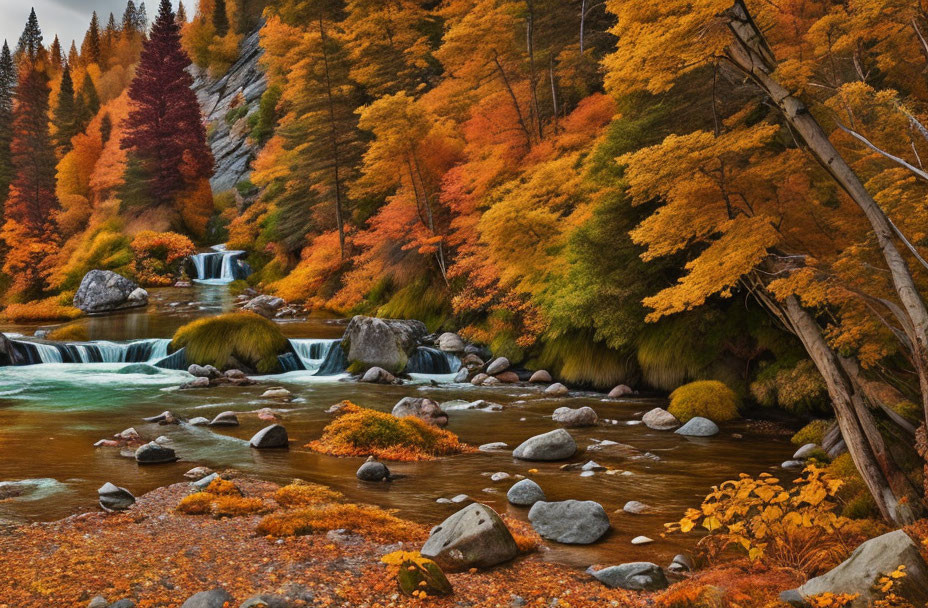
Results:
387 343
103 291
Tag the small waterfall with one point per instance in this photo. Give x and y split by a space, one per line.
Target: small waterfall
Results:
138 351
290 362
335 362
312 352
176 360
428 360
219 266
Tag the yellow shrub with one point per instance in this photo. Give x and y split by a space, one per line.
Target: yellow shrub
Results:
235 506
69 333
372 522
362 432
244 336
707 398
40 310
196 504
303 494
221 498
223 487
814 432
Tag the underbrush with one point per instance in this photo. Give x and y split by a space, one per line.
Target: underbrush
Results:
69 333
222 498
40 310
707 398
371 522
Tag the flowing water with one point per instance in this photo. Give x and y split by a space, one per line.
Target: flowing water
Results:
52 413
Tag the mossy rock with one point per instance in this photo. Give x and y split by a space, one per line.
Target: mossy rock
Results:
814 432
707 398
422 575
238 340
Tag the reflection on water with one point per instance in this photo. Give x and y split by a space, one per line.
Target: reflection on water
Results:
50 416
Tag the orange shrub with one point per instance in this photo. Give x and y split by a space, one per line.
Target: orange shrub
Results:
302 494
372 522
159 256
363 432
223 487
235 506
221 498
40 310
196 504
527 540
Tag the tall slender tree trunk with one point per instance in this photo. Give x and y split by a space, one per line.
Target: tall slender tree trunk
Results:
533 72
515 101
333 130
750 52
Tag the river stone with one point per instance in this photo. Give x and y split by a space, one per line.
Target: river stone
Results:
636 576
462 375
198 472
681 563
793 464
576 522
698 427
620 391
860 572
373 471
525 493
494 446
202 484
660 419
498 366
472 362
98 602
378 375
200 382
480 404
541 377
507 377
103 291
264 305
203 371
553 445
215 598
198 421
422 408
153 453
556 390
276 392
387 343
804 452
582 416
273 436
474 537
642 540
114 498
139 368
478 379
635 508
165 417
491 381
225 419
450 342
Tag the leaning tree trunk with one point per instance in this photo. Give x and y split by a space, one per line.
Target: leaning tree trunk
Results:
895 496
750 52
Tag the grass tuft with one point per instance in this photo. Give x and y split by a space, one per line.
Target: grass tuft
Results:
232 339
707 398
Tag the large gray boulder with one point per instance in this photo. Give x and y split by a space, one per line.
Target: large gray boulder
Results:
660 419
104 291
114 498
154 453
637 576
554 445
569 417
273 436
424 409
576 522
871 560
525 493
474 537
387 343
698 427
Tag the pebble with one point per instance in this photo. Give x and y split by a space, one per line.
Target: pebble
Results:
499 476
642 540
460 498
493 447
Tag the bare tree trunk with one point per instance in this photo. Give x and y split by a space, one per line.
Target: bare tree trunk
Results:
515 101
333 134
750 52
533 73
551 77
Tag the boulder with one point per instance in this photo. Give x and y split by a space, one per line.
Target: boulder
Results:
681 563
225 419
577 522
525 493
636 576
215 598
474 537
114 498
450 342
554 445
498 366
264 305
620 391
472 362
462 375
582 416
373 471
387 343
660 419
541 377
103 291
698 427
203 371
859 573
378 375
154 453
556 390
273 436
507 377
419 407
491 381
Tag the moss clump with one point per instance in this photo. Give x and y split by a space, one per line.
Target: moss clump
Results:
69 333
707 398
908 410
372 522
814 432
854 495
221 498
233 340
362 432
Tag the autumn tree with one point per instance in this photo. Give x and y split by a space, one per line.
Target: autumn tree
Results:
165 133
30 41
65 115
7 91
91 48
220 18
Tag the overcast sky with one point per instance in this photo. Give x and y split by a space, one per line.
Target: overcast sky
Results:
66 18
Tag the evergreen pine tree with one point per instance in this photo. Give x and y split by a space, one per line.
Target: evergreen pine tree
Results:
7 89
73 57
55 57
181 14
30 42
90 49
130 19
141 23
220 18
86 104
106 128
65 117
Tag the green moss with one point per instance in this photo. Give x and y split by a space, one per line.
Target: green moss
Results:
228 340
577 358
419 300
814 432
673 351
853 494
910 411
236 114
707 398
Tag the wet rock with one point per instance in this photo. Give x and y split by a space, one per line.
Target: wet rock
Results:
130 434
203 371
234 374
480 404
422 408
525 493
264 305
462 375
198 473
541 377
450 343
491 381
507 377
474 537
114 498
660 419
165 417
582 416
642 540
860 572
478 379
277 392
556 390
472 362
805 451
698 427
635 508
498 366
378 375
103 291
460 498
153 453
387 343
198 421
162 439
98 602
270 437
225 419
373 471
266 600
215 598
793 464
493 447
578 522
500 476
199 382
554 445
202 484
106 443
620 391
635 576
139 368
681 563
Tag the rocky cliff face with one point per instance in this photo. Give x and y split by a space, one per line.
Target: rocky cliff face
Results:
227 104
